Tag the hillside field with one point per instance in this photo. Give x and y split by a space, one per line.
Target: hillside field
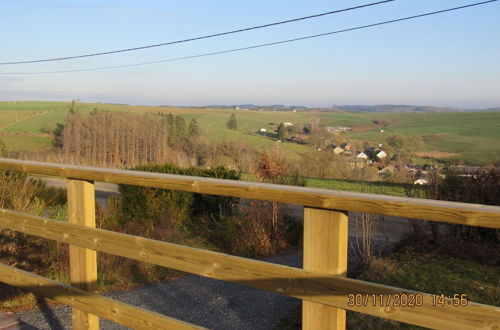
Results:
471 137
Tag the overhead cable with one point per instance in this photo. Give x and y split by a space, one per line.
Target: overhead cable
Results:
195 38
257 46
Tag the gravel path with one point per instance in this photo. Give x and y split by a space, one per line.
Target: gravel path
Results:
211 303
202 301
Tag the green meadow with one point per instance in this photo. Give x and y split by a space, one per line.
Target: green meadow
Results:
470 137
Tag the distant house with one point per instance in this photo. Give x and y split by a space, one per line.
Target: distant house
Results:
337 129
420 181
263 130
362 155
336 149
371 152
381 154
287 124
375 153
346 146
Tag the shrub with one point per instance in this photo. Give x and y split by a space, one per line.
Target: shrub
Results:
151 206
46 257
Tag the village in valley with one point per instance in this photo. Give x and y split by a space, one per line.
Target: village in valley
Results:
355 155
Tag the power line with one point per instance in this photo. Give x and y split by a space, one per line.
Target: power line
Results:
196 38
260 45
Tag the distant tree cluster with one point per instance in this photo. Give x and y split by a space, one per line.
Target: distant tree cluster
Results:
114 138
180 135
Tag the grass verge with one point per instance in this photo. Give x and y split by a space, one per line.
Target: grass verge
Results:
425 271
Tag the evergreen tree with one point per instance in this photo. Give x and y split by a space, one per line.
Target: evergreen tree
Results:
232 123
180 127
170 123
193 130
73 108
281 132
58 135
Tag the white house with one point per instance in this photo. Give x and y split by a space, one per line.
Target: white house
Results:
420 181
263 130
362 155
287 124
381 154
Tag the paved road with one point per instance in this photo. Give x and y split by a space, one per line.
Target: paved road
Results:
102 189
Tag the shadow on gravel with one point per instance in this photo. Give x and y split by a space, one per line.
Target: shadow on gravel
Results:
48 314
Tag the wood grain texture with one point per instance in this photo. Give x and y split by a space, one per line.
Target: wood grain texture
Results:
82 262
128 315
318 287
325 251
450 212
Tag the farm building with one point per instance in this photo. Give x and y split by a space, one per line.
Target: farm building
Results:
381 154
337 129
346 146
362 155
375 153
336 149
263 130
287 124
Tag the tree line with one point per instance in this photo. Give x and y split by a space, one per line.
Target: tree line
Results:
123 139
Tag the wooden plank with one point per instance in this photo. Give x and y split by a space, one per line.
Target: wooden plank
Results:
325 251
83 262
125 314
442 211
311 286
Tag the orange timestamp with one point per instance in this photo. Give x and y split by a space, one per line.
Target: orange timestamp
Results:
457 300
405 300
385 300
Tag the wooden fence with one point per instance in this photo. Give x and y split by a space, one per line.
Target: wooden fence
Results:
321 284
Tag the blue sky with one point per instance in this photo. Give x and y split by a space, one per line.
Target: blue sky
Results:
451 59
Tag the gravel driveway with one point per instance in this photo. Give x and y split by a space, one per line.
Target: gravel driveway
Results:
195 299
216 304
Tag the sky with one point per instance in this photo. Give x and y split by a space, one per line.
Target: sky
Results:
451 59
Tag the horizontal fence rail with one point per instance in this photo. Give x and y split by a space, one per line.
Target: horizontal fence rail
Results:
295 282
321 284
128 315
424 209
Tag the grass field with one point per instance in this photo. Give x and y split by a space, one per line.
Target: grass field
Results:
27 142
379 187
386 188
471 137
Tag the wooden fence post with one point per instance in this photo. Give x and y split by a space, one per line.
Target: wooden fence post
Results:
83 262
325 250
